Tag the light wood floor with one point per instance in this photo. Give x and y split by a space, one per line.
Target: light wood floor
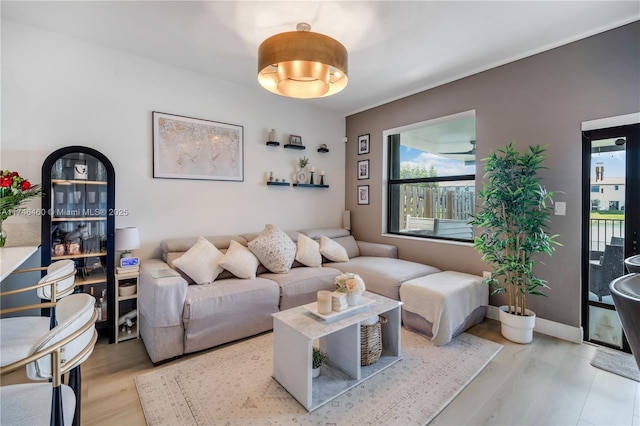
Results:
549 381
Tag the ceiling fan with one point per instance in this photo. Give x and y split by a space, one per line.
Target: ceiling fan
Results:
472 151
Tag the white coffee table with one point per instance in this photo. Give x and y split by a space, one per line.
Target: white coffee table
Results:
294 332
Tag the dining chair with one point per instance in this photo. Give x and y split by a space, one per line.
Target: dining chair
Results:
60 350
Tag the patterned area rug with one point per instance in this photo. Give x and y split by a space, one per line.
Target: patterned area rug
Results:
616 362
233 386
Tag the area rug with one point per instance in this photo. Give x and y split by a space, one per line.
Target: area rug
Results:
233 386
616 362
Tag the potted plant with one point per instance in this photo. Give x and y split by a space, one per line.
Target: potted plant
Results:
317 360
513 216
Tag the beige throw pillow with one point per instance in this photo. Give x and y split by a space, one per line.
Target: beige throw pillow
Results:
274 249
332 250
201 262
308 252
240 261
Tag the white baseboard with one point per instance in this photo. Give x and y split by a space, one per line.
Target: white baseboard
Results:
544 326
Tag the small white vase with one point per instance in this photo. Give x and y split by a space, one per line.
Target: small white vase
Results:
352 299
517 328
315 372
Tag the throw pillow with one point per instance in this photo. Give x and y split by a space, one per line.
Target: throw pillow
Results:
332 250
274 249
308 251
240 261
201 262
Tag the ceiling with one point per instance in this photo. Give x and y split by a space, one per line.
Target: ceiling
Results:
395 48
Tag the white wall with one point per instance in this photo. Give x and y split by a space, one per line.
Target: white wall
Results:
58 91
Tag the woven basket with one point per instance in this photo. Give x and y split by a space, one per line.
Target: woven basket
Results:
371 342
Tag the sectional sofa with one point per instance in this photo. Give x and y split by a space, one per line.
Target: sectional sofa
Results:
207 291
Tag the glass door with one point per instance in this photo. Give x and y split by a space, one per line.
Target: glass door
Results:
611 222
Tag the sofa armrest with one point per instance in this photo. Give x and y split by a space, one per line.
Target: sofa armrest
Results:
377 249
161 300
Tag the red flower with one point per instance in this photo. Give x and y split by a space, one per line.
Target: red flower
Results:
25 185
6 181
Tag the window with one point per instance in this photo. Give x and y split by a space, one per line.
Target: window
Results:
431 170
595 188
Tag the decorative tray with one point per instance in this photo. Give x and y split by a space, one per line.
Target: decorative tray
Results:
362 302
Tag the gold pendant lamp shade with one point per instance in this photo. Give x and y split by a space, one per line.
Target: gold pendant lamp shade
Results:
302 64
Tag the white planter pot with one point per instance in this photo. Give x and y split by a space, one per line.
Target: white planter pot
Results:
315 372
353 299
518 329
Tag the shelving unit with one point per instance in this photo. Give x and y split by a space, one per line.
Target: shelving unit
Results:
273 143
279 183
79 223
308 185
126 305
292 146
323 150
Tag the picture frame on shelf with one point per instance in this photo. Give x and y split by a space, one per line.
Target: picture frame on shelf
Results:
363 144
363 169
363 194
295 140
193 148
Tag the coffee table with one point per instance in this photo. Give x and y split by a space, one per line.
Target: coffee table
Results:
296 329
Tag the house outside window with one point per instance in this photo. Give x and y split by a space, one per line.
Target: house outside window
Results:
595 188
431 170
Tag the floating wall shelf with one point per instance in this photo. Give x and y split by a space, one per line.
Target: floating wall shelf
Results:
279 183
292 146
323 150
273 143
308 185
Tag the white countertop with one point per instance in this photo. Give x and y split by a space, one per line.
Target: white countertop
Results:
12 257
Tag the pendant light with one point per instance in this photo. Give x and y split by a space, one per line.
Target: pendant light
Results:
302 64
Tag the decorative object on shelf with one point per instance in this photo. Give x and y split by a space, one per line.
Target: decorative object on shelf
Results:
295 140
363 194
363 169
324 302
303 162
321 177
302 64
371 340
127 239
312 171
273 138
514 218
363 144
323 148
191 148
14 191
81 169
318 358
270 176
301 177
351 284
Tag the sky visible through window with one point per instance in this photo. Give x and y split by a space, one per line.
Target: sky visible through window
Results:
411 157
613 162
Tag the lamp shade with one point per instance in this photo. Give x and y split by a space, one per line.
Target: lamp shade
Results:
127 239
302 64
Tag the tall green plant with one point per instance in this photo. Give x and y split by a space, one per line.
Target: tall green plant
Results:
514 216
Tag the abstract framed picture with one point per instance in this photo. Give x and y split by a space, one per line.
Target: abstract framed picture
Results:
363 144
192 148
363 169
295 140
363 194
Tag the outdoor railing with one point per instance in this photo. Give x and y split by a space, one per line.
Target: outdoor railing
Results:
605 231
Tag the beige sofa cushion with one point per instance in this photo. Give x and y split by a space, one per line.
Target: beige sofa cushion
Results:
201 262
274 249
350 245
332 250
240 261
308 252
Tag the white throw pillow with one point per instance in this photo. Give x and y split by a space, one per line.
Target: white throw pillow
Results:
240 261
308 251
274 249
332 250
201 262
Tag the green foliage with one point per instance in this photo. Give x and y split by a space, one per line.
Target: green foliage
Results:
514 217
420 172
319 358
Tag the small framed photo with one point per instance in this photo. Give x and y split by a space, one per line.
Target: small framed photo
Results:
295 140
363 169
363 194
363 144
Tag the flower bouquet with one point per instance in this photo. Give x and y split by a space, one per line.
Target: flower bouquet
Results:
352 284
14 191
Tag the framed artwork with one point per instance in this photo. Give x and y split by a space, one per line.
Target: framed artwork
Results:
295 140
363 169
363 194
191 148
363 144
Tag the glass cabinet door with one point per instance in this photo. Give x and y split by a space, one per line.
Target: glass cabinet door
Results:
79 224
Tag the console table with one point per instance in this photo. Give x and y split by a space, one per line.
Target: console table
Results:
294 331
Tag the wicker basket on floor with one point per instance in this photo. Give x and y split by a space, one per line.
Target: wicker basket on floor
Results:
371 341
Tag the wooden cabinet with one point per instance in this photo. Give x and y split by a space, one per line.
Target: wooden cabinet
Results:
78 221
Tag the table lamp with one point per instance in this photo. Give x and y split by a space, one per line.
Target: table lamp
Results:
127 239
